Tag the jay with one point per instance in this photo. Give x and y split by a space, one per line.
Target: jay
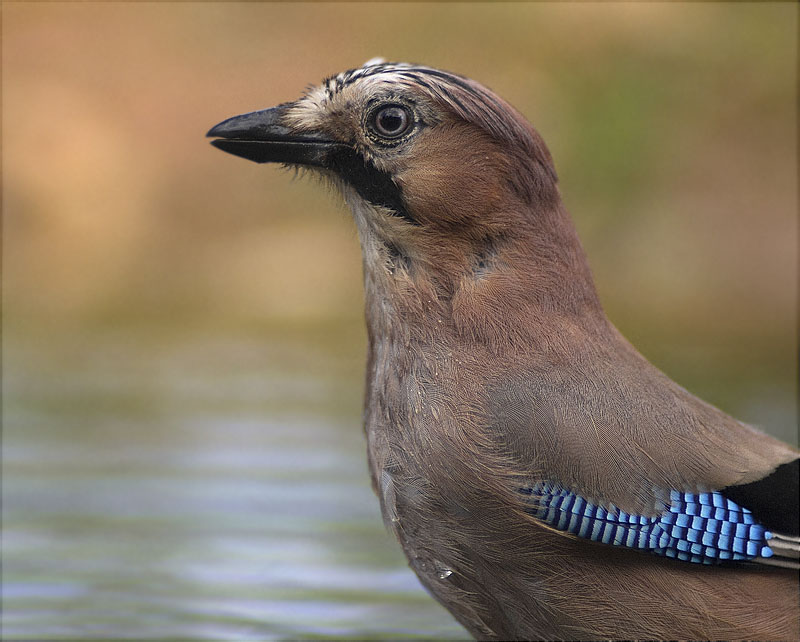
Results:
544 480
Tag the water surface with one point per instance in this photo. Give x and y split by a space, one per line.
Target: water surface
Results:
195 486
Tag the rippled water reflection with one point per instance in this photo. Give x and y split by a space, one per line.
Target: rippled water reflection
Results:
194 487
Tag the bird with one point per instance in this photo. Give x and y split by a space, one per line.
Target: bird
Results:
544 480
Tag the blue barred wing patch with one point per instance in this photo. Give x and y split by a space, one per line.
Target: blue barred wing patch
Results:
705 528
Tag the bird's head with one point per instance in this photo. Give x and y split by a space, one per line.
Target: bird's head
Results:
418 146
438 170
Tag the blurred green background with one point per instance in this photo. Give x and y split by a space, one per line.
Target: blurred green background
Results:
181 325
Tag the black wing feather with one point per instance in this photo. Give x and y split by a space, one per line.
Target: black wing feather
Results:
773 500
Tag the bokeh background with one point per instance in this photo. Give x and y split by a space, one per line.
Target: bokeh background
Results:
183 339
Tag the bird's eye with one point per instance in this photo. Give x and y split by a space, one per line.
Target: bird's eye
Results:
391 121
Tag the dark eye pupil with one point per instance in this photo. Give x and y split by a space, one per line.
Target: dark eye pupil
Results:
391 121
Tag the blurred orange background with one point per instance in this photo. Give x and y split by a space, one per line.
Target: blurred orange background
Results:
673 128
183 337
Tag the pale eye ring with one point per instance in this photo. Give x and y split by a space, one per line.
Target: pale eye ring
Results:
391 121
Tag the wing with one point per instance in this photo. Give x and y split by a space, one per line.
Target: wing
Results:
620 454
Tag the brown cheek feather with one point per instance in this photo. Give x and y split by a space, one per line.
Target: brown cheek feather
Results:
459 185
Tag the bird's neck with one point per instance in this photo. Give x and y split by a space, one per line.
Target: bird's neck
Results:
498 290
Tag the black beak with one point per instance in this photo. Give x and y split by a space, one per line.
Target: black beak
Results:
259 136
